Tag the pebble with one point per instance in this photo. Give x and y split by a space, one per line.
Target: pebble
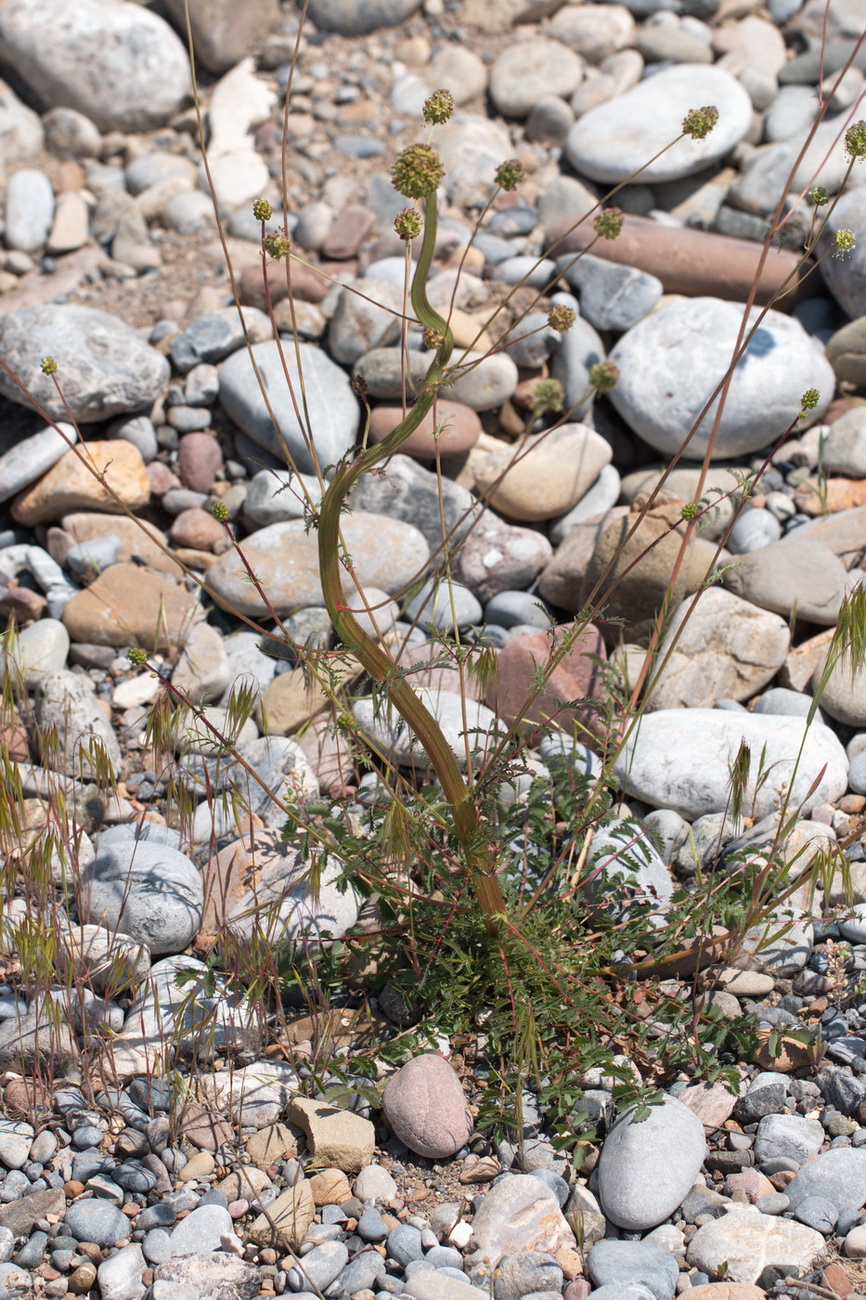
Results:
634 1147
656 399
613 141
107 69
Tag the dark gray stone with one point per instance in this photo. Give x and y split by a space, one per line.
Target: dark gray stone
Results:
612 296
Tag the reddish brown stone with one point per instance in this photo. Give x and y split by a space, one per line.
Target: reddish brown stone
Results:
460 429
307 284
13 741
20 603
836 1279
196 528
200 460
127 605
575 677
348 232
203 1128
694 262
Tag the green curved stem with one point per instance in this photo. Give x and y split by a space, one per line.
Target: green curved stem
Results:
480 856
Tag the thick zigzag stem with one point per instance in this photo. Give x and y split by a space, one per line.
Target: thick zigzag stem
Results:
480 857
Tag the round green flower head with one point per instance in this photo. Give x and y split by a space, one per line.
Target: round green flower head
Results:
819 196
608 223
603 376
547 395
438 107
278 245
48 366
844 241
855 141
509 174
262 210
137 656
809 401
699 122
561 318
221 511
408 224
690 511
417 171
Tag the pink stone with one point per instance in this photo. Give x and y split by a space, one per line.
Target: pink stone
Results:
426 1109
200 461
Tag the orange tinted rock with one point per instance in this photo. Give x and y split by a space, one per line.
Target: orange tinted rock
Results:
699 263
307 284
127 605
196 528
72 485
459 425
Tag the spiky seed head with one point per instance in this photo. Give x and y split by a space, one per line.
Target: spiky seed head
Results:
844 241
603 376
809 401
699 122
433 339
48 366
690 510
262 210
509 174
608 223
855 140
819 196
438 107
408 224
548 395
137 656
278 245
417 171
561 318
360 386
220 512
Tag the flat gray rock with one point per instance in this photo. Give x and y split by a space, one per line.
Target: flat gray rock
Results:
359 17
619 1263
845 276
462 724
681 759
119 64
646 1169
67 703
792 1137
574 355
103 367
147 890
755 1245
387 554
616 139
612 296
528 70
794 577
29 459
838 1175
671 361
471 148
333 407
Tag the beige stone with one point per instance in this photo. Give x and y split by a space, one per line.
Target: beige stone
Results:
127 606
330 1187
275 1142
722 647
75 483
70 227
727 1291
337 1138
288 702
285 1224
246 1181
543 475
712 1103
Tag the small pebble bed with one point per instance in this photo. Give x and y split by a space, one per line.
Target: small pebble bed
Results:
129 1171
